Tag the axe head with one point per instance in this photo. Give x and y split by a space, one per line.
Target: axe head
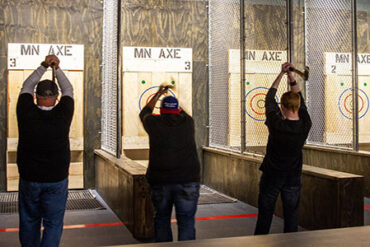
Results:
306 73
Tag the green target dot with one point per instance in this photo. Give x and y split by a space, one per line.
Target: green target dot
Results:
247 83
143 82
342 84
172 82
365 84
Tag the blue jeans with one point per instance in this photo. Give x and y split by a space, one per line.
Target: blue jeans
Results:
41 203
270 187
185 198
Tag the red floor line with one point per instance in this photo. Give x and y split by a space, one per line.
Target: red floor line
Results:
172 220
93 225
222 217
72 226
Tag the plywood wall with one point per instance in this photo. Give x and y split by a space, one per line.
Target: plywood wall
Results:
259 77
172 23
338 109
138 88
72 22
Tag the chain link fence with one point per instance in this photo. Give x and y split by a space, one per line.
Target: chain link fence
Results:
322 39
363 45
109 77
265 50
224 35
329 90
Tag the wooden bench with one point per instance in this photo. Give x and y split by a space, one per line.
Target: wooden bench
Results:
329 199
123 186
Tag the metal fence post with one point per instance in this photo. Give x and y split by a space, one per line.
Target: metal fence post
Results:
242 77
119 83
354 76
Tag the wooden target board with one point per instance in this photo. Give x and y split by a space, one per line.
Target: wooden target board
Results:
23 59
144 70
338 98
261 69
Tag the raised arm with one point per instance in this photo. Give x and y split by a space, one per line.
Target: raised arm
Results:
30 83
270 102
291 80
64 84
148 109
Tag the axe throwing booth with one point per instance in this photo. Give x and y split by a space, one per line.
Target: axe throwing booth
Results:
23 59
339 98
261 69
144 70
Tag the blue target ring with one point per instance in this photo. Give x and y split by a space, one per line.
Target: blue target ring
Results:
367 103
146 90
246 108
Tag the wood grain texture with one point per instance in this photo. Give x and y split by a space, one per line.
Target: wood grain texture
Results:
265 27
338 129
173 23
72 22
363 31
166 23
123 186
328 199
138 88
340 160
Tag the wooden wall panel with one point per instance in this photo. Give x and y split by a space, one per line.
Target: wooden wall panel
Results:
329 198
363 31
174 23
265 27
339 160
76 22
123 186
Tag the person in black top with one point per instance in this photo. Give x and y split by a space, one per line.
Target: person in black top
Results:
43 155
174 170
282 165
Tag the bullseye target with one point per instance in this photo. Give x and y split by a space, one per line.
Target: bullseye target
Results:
255 103
345 103
148 94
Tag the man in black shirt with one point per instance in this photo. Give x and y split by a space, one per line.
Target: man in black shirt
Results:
43 155
173 171
282 166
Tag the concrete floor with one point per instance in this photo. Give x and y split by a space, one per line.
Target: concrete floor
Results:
98 235
342 237
119 235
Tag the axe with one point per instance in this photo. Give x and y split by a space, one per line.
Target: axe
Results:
304 74
53 72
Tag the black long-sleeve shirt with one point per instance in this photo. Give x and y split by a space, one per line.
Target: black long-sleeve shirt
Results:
172 157
286 138
43 153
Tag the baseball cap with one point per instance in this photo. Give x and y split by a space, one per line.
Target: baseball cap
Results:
47 88
170 105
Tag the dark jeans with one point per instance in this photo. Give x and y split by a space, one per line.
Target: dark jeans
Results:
270 187
41 203
185 198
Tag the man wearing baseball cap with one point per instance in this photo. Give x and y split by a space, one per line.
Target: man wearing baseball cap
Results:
174 170
43 155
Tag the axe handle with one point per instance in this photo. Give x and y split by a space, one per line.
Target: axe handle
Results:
298 72
53 72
